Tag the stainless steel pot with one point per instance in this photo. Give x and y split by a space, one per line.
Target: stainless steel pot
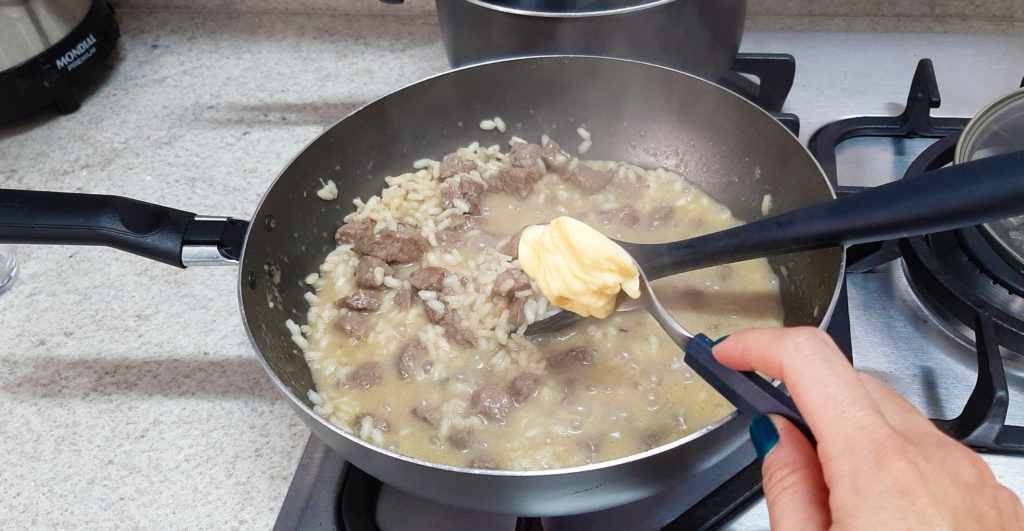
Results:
644 114
696 36
998 129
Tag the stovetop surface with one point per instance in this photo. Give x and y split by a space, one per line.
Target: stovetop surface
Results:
894 336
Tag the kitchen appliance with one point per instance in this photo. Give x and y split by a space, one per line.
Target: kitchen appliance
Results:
696 36
49 49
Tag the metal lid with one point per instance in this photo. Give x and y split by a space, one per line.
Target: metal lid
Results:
998 129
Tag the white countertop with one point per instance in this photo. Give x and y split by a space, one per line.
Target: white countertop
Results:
129 393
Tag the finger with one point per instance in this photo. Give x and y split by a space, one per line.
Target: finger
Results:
823 384
901 414
794 487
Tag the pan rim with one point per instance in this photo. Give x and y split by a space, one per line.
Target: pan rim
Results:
581 469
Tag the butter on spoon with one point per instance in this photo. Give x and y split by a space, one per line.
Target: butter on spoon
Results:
576 267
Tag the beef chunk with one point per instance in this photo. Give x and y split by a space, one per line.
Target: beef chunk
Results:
453 164
527 156
587 179
510 281
402 245
359 301
630 181
491 403
461 439
468 190
514 181
571 359
429 278
453 329
523 387
451 322
380 423
429 414
555 158
409 356
463 222
510 246
458 225
483 462
660 215
403 298
435 315
365 271
624 215
365 375
355 325
353 231
524 155
516 315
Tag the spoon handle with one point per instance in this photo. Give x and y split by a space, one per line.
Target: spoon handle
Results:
958 196
748 391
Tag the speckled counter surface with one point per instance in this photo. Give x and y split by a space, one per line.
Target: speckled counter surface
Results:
129 396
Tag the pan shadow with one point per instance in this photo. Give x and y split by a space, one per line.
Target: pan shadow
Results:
323 113
56 377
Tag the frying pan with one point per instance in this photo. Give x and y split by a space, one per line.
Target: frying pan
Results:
648 115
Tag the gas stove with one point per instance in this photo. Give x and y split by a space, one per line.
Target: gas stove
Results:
896 318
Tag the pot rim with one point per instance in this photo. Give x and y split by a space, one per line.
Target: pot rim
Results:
969 134
569 14
582 469
980 122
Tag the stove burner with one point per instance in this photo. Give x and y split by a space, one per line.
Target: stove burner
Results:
957 275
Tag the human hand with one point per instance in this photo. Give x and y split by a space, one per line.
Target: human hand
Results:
879 464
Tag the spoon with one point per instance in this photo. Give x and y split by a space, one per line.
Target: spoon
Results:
748 391
958 196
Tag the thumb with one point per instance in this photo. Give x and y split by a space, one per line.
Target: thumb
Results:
794 487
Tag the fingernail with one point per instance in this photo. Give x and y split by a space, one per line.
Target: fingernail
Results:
764 435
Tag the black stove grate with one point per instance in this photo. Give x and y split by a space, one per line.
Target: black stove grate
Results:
915 121
774 73
971 287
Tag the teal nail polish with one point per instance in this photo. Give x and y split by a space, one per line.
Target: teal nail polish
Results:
764 435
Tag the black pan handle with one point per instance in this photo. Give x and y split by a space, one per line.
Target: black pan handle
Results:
152 231
748 391
958 196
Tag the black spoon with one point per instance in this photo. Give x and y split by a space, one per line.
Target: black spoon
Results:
958 196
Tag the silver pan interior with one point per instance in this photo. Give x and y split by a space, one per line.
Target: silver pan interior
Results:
647 115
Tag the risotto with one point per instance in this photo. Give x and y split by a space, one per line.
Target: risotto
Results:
414 331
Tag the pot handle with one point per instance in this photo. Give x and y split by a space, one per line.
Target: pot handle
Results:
393 1
748 391
167 235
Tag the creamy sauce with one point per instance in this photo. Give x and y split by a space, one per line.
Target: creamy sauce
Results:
633 394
